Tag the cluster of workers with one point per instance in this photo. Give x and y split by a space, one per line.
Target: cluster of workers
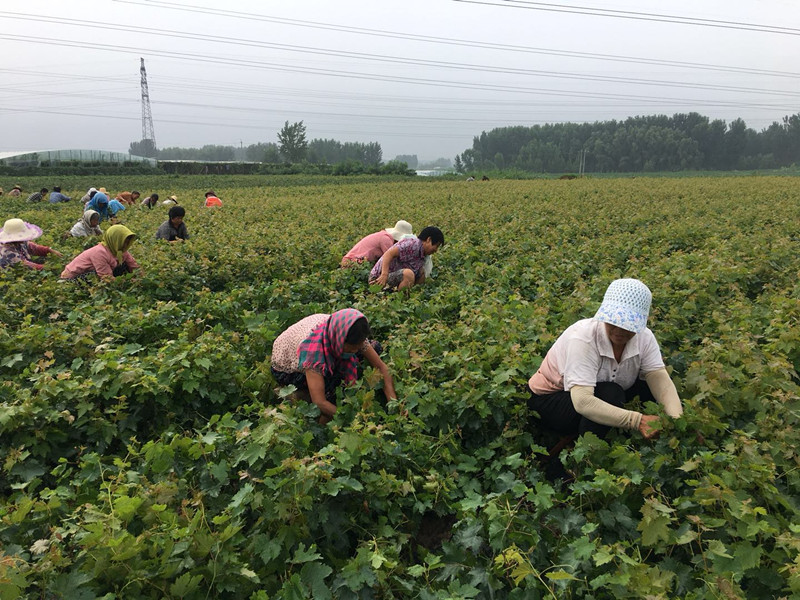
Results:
111 257
594 368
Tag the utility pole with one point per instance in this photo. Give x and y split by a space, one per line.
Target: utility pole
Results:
148 132
582 163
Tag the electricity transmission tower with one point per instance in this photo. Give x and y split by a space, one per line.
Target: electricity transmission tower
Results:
148 132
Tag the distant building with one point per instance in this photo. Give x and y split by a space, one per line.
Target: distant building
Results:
35 158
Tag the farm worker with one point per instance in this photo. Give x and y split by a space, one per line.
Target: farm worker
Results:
56 196
16 245
402 265
212 200
173 229
375 245
150 201
15 192
171 200
88 196
110 258
599 364
128 197
114 208
88 225
37 196
321 351
99 203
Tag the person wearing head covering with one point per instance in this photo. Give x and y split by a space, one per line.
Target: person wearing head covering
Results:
88 196
320 352
99 203
170 201
88 225
212 200
403 265
15 192
174 229
599 364
110 258
56 196
375 245
16 245
114 208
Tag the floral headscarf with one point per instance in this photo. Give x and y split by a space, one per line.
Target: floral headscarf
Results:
322 349
114 239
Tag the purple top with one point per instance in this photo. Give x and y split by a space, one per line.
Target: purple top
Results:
410 256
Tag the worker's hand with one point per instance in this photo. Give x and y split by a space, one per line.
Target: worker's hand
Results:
382 279
648 426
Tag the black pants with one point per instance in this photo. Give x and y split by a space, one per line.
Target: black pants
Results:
558 413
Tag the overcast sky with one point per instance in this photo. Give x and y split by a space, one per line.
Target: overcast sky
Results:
419 77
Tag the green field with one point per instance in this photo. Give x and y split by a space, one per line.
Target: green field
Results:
145 453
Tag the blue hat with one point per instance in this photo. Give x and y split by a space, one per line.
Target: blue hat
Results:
626 305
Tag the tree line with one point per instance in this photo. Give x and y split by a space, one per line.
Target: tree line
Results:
291 147
646 143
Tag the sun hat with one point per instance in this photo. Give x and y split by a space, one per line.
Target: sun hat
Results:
173 197
102 190
626 305
400 229
16 187
17 230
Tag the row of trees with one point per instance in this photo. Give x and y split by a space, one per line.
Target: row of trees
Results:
650 143
292 147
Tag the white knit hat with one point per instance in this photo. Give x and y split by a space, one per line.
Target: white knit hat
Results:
400 229
626 305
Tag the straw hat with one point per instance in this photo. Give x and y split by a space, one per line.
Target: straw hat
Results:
102 191
626 305
17 230
400 229
16 187
1 190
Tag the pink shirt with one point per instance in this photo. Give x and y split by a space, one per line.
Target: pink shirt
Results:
96 259
372 247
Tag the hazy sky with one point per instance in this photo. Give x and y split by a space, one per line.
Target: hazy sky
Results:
419 77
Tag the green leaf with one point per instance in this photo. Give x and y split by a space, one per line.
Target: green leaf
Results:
313 575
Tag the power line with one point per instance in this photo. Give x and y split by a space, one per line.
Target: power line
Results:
637 16
249 16
374 77
396 59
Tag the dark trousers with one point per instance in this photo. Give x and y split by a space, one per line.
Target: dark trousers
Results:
557 412
299 381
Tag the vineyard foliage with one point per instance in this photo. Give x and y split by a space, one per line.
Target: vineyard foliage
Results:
146 452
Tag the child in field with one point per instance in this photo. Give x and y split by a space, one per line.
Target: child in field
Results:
16 245
403 265
108 259
212 200
88 225
174 229
318 353
375 245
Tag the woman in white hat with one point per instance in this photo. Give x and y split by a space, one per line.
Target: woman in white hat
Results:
16 245
375 245
599 364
